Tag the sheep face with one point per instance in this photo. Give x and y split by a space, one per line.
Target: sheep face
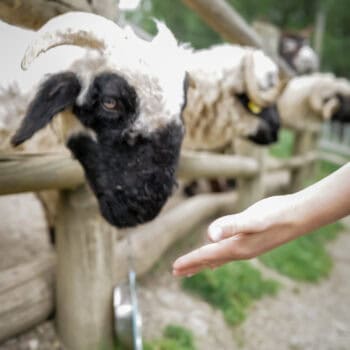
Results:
232 94
129 130
297 52
268 126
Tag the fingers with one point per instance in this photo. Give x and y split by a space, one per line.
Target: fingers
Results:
228 226
191 271
210 255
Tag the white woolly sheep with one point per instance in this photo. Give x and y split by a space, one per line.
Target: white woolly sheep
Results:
120 111
315 98
231 96
232 92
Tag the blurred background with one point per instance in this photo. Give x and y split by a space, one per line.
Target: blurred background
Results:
332 17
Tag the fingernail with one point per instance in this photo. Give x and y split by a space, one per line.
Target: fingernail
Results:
215 233
189 275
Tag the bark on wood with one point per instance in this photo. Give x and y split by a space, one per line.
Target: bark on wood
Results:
231 26
84 273
26 295
34 13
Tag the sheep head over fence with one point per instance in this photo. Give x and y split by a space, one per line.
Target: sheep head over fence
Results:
315 98
232 93
120 109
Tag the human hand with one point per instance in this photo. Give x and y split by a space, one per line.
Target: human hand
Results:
262 227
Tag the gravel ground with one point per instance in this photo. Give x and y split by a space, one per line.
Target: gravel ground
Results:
300 317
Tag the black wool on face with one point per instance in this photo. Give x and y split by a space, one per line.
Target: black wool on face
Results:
56 94
131 176
269 123
343 113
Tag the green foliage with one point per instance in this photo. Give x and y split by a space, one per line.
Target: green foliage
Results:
306 258
185 24
174 338
284 147
231 288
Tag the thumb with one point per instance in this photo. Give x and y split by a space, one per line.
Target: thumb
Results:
228 226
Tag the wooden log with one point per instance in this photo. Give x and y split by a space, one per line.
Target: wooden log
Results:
26 295
208 165
303 143
31 173
251 189
23 173
231 26
34 13
274 164
85 268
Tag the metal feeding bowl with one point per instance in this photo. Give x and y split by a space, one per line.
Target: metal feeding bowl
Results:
128 322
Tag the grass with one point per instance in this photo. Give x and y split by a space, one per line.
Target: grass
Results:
174 338
231 288
284 147
306 258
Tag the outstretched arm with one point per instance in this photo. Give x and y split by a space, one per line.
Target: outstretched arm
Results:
270 223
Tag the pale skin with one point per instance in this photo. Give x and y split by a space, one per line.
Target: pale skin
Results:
270 223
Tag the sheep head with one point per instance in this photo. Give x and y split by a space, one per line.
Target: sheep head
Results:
331 99
232 93
126 105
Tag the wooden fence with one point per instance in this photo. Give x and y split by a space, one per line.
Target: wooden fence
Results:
91 257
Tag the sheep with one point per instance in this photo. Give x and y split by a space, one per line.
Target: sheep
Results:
232 91
232 94
293 47
315 98
119 109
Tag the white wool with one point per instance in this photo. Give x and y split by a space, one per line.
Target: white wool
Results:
265 70
155 69
213 116
306 60
294 104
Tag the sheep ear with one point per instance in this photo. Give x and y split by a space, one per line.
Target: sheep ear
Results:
55 94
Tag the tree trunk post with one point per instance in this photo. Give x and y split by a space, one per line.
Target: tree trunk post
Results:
303 143
84 273
252 189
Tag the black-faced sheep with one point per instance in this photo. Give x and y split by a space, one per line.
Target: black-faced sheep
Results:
120 111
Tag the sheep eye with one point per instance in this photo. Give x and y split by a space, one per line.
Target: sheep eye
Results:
109 103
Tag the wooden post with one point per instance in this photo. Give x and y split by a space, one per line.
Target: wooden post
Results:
84 273
34 13
251 189
303 143
26 295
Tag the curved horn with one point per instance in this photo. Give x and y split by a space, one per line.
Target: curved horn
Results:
74 28
257 66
